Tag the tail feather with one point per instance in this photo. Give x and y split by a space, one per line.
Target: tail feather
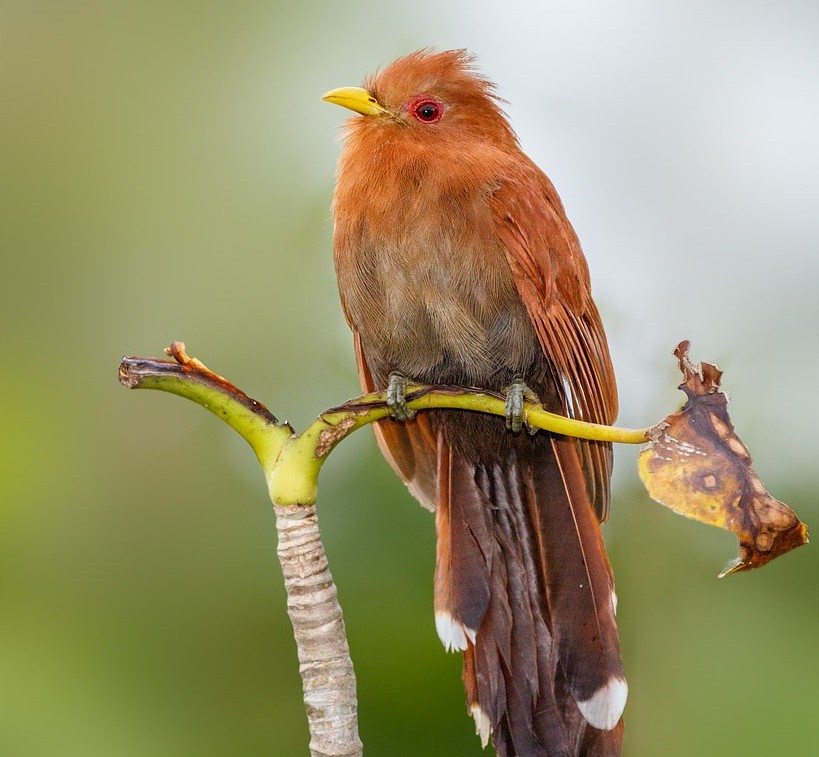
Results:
521 571
461 568
580 588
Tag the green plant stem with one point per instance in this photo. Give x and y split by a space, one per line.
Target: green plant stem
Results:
291 463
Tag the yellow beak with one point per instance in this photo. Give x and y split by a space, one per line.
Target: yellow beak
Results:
356 99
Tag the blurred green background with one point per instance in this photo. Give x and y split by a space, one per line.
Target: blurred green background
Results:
166 172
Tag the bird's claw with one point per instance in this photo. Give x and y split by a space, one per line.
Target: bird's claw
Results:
396 398
516 394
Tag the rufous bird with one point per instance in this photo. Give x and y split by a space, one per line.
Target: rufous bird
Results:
456 264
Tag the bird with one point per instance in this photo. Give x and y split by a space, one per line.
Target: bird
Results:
456 264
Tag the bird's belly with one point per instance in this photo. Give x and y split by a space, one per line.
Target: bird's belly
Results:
443 318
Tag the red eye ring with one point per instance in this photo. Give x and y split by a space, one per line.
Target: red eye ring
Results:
427 110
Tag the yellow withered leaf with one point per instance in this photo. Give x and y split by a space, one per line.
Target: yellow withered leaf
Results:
696 465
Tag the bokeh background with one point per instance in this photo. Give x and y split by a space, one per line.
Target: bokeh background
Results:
166 174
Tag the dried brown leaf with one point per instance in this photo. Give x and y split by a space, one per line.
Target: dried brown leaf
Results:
696 465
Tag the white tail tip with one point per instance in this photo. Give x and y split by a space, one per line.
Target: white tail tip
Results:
482 725
605 707
452 633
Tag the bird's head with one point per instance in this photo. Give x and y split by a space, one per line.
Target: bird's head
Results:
428 95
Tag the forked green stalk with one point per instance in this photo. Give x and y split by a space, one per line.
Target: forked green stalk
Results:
291 463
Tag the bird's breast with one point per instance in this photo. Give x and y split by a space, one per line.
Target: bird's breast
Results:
425 281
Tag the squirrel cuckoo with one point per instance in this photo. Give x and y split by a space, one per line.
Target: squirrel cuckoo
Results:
456 264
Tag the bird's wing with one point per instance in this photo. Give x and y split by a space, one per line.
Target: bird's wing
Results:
552 279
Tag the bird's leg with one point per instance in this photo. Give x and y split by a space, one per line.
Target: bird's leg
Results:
516 394
396 397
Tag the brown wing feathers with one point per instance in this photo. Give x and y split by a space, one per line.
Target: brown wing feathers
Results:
551 277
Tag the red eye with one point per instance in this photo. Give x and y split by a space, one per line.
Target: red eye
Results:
427 110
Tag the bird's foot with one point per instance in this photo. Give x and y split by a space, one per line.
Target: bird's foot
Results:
516 394
396 397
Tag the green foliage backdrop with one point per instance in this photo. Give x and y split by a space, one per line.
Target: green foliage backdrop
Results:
166 174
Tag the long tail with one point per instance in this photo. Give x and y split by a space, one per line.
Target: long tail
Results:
524 588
